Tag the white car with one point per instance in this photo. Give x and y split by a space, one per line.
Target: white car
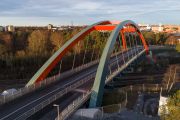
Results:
9 91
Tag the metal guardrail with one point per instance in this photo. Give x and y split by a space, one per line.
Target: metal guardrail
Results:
79 101
110 77
43 104
162 46
31 88
25 90
53 98
144 87
70 109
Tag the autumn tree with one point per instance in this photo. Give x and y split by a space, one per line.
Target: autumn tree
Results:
3 49
175 29
57 40
155 38
20 40
149 37
7 40
39 43
178 47
161 38
98 40
173 106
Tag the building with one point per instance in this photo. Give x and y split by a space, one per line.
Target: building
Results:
66 28
157 28
161 27
1 28
173 39
10 28
172 28
166 28
144 27
178 41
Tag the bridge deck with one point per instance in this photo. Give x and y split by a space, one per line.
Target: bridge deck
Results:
16 108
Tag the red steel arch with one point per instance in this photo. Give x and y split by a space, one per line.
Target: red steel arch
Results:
42 73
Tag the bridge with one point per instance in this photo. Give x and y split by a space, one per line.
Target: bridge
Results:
89 72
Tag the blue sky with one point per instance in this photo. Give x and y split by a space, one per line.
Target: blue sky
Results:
59 12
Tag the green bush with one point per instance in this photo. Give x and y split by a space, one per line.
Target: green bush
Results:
178 47
173 106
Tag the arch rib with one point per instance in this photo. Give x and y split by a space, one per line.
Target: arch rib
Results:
52 61
98 86
123 40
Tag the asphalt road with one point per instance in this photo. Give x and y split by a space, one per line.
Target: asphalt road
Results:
16 108
51 113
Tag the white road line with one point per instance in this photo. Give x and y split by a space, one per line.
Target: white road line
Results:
41 97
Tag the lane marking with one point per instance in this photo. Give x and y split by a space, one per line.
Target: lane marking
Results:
52 91
43 96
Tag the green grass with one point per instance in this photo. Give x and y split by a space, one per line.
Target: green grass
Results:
178 47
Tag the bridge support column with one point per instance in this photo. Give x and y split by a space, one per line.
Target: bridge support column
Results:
96 99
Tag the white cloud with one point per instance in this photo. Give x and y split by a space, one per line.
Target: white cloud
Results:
86 11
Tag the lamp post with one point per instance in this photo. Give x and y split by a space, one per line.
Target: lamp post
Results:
55 105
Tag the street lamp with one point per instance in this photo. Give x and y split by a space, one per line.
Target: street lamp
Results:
55 105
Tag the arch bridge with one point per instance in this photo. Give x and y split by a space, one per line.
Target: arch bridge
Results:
84 64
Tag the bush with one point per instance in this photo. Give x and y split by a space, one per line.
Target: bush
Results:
178 47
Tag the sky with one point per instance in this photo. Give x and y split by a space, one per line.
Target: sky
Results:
83 12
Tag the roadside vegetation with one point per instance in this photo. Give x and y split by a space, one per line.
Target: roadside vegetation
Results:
23 52
155 38
173 107
178 47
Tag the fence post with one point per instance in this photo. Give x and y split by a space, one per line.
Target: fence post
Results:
119 107
81 114
143 87
4 98
157 87
34 86
102 113
126 99
83 95
73 103
131 88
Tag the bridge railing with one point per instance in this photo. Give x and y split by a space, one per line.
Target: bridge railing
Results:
48 101
79 101
23 91
162 46
70 109
115 73
73 106
41 84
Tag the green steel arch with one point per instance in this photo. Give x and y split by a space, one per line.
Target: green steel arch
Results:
98 86
56 57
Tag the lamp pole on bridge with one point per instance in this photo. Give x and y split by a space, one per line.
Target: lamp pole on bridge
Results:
55 105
